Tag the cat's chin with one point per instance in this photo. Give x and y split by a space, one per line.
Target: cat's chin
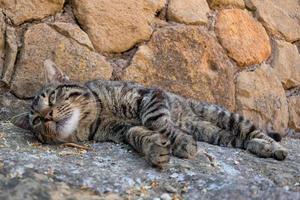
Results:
68 126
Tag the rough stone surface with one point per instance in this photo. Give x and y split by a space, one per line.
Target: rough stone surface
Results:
11 50
245 39
67 46
188 12
187 61
226 3
261 97
279 17
71 31
286 63
116 25
294 109
25 10
2 41
27 167
10 105
39 186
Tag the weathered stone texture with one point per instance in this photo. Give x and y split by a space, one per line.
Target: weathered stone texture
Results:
48 171
279 17
294 109
188 11
188 61
115 25
73 32
25 10
226 3
2 41
244 38
286 63
60 43
261 98
11 50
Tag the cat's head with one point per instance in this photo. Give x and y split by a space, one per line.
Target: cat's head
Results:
59 109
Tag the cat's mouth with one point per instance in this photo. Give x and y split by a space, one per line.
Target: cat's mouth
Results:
68 125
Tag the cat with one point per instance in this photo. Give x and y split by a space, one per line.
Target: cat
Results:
154 122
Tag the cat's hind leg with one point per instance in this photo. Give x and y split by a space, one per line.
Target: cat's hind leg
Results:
207 132
264 146
240 131
256 142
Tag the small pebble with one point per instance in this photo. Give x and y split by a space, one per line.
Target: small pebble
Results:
236 162
174 175
170 188
165 196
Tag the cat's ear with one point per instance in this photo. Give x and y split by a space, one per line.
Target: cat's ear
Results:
53 74
21 121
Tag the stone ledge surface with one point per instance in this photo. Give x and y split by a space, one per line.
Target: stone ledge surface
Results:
216 173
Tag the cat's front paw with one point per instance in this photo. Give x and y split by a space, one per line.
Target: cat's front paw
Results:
184 146
157 151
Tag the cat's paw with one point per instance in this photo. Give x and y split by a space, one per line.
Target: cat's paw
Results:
260 147
265 149
184 146
158 151
279 152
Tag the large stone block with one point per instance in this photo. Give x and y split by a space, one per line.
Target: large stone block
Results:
286 63
261 97
244 38
281 18
188 11
114 25
21 11
186 60
67 45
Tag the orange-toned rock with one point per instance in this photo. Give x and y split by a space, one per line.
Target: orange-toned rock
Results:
244 38
186 60
73 32
261 97
2 40
226 3
188 11
286 63
294 110
281 18
74 56
115 25
24 10
11 51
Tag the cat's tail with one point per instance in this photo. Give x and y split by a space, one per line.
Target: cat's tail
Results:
238 130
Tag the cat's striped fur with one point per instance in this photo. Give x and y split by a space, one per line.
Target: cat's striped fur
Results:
154 122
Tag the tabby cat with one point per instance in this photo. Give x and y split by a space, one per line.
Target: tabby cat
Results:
154 122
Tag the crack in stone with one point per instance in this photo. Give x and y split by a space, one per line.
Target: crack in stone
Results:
69 36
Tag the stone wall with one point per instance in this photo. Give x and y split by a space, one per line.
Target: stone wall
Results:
243 55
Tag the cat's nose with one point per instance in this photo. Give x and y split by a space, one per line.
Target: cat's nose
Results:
49 115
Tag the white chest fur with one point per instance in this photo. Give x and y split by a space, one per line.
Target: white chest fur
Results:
71 124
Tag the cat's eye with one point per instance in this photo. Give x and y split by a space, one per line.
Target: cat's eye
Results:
74 94
36 121
52 97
